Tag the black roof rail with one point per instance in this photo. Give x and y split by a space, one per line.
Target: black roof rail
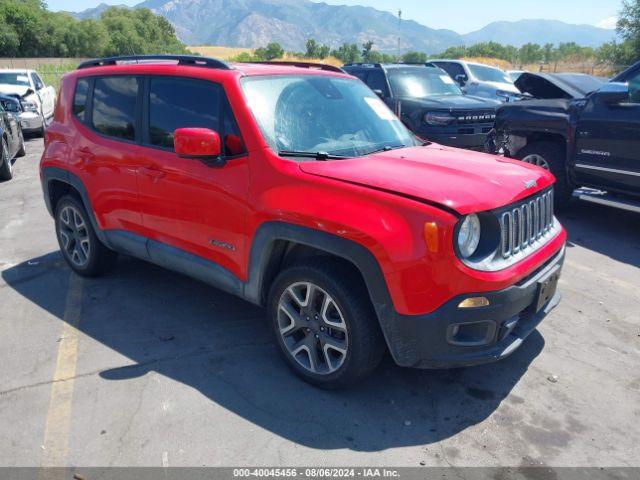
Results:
293 63
363 64
192 60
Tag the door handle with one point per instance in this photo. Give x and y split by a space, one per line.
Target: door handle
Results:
154 173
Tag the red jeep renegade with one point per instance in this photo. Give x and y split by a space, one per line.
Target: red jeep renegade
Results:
294 187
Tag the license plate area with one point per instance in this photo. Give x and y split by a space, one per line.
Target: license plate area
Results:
547 287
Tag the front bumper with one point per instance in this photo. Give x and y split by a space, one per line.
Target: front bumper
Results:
31 122
426 341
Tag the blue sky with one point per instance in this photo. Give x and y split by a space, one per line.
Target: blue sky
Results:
463 16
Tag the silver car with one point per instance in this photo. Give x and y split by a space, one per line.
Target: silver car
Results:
480 80
37 99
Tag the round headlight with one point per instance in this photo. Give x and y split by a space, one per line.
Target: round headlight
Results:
469 235
438 118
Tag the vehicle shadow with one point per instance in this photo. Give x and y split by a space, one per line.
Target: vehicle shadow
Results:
220 345
609 231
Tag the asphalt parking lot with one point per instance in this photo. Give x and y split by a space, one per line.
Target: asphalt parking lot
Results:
145 367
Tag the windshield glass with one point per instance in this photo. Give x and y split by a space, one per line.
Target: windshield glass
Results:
416 83
309 113
13 78
488 74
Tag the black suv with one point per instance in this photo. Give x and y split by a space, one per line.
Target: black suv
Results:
591 144
429 103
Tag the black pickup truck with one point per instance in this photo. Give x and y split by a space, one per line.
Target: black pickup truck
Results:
590 144
430 103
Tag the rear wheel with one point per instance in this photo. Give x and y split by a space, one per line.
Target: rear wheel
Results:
6 168
550 156
324 324
80 246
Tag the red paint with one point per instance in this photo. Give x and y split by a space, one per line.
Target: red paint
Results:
381 202
196 142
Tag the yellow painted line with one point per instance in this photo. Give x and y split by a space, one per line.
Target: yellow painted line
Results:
599 273
56 434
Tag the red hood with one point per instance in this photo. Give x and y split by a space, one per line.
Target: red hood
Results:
462 180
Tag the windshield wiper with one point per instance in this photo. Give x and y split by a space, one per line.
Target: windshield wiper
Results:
386 148
316 155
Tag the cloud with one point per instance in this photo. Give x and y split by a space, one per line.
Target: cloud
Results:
609 22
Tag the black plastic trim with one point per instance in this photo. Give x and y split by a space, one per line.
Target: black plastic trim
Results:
60 174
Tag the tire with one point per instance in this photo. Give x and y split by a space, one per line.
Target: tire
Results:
551 156
80 247
22 151
6 168
349 347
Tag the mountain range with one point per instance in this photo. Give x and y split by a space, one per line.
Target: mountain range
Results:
254 23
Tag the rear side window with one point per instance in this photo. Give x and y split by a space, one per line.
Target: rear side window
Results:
114 106
451 68
377 81
362 75
37 82
80 99
181 103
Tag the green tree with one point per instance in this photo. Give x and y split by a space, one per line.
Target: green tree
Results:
272 51
548 53
139 31
628 26
9 39
454 52
316 50
27 28
530 53
347 53
367 48
312 48
414 57
323 51
27 18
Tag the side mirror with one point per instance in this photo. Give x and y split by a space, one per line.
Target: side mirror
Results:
461 79
613 93
379 92
200 143
29 92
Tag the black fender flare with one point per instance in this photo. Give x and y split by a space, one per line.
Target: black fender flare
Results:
262 249
71 179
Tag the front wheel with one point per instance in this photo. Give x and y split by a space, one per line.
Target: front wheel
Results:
80 246
324 323
550 156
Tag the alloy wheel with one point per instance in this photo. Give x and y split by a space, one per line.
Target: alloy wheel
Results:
74 236
537 160
312 328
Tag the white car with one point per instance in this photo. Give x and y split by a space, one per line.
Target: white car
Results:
38 100
480 80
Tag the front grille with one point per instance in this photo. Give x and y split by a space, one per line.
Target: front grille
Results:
525 223
468 117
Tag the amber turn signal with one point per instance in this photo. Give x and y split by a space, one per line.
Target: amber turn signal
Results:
474 302
430 233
